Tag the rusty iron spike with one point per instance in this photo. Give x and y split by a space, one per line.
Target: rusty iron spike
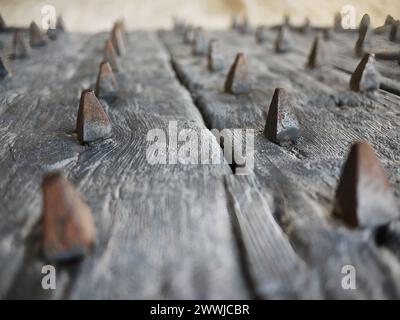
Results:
106 85
364 32
363 196
261 34
117 40
68 229
282 124
215 59
238 79
36 38
282 42
92 122
337 22
111 57
199 46
4 71
188 35
394 34
365 77
3 25
21 48
317 54
60 25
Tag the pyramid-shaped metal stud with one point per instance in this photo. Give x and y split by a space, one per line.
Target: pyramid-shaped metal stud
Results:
261 34
67 225
199 46
317 55
364 34
106 85
20 47
36 37
60 25
215 59
3 25
337 22
118 40
363 196
238 79
4 71
283 41
92 123
282 124
111 56
365 77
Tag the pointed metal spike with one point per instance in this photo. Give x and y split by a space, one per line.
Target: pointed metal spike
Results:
394 34
282 124
317 55
283 41
238 79
261 34
386 27
36 38
337 22
188 35
215 59
364 33
244 26
68 229
286 20
92 122
111 57
4 71
306 27
365 77
21 48
60 25
117 40
235 22
3 25
363 196
106 85
327 32
199 47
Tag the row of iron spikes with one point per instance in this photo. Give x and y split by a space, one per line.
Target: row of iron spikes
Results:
21 49
362 170
63 206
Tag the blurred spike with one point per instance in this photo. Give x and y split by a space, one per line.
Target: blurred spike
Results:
21 48
283 41
4 71
244 26
363 196
117 40
106 85
36 38
111 57
188 35
235 22
52 34
394 34
215 59
92 123
286 20
363 35
238 79
306 27
317 54
68 229
365 77
282 124
3 25
337 23
327 33
60 25
261 34
199 43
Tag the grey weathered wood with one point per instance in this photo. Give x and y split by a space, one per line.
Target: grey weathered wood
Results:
302 178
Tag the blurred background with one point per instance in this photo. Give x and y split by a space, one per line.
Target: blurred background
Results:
98 15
